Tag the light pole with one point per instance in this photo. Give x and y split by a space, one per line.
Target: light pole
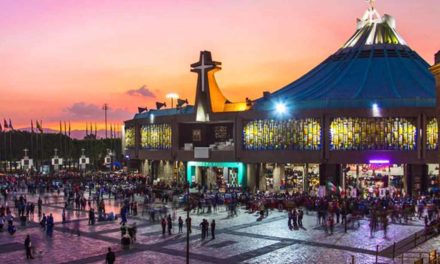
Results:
105 108
172 96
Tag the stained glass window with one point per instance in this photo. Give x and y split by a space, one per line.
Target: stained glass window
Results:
292 134
157 136
373 134
130 137
432 134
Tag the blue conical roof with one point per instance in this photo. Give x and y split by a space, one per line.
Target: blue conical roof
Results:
375 66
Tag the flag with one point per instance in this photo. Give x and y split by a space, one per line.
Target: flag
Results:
69 128
10 125
331 186
96 130
87 130
65 128
39 126
5 123
1 129
61 128
32 126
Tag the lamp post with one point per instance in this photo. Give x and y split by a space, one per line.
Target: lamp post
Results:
172 96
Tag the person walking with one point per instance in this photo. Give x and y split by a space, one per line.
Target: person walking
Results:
110 256
28 247
180 224
213 229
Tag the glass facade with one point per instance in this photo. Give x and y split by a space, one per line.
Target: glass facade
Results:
373 134
130 133
292 134
156 136
432 134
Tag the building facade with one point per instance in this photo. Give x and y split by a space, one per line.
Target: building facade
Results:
366 117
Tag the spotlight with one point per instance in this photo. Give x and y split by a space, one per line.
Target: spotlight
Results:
181 102
281 108
159 105
375 109
142 109
172 96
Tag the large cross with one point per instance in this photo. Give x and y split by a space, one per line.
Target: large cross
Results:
371 2
202 69
25 152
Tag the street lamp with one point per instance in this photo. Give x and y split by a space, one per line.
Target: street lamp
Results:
172 96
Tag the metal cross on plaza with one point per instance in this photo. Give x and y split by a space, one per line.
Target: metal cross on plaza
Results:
25 152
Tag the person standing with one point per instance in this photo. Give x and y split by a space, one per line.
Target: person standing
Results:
110 257
40 204
213 229
300 217
188 224
163 222
202 227
50 224
28 247
180 224
170 224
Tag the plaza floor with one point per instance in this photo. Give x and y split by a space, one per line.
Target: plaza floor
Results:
240 239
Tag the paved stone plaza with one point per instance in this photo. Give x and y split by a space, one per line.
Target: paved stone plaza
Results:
241 239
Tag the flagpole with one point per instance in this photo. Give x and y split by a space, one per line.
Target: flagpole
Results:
1 146
32 144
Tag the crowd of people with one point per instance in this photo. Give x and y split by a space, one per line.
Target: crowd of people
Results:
160 202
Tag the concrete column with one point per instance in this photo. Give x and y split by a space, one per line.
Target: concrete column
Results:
306 178
436 72
211 177
278 175
417 179
251 179
198 175
145 167
261 178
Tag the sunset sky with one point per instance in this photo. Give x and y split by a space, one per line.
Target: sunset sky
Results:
63 59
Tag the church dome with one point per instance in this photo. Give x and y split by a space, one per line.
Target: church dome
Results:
375 66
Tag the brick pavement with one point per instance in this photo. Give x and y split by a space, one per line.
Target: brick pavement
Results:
240 239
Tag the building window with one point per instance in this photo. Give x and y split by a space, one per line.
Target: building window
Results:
130 137
432 134
292 134
156 137
373 134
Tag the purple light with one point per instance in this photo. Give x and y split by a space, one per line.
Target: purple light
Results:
379 162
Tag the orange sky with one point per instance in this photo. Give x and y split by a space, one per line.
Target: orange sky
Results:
61 60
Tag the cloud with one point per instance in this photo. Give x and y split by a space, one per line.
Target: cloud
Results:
84 111
143 91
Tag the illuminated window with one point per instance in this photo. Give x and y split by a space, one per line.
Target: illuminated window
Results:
373 134
292 134
432 134
156 136
130 137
